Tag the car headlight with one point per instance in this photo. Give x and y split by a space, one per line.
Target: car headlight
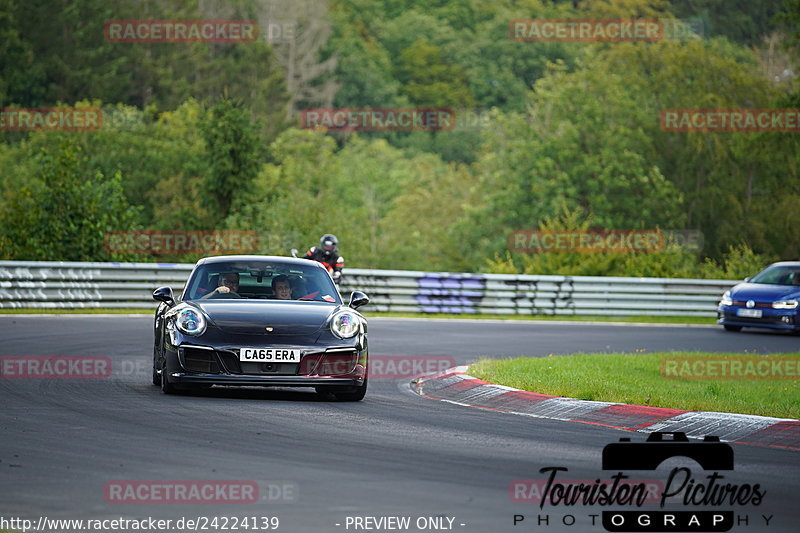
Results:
726 299
785 304
345 325
190 321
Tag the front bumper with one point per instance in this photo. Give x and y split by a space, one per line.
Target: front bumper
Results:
783 319
263 381
336 366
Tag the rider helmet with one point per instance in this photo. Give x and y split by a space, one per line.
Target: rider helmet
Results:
328 243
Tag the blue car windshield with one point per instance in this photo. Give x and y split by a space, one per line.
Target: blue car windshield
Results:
778 275
261 280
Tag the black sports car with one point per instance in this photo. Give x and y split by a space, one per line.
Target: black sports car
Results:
260 320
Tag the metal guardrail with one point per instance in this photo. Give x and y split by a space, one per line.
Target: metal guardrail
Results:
49 284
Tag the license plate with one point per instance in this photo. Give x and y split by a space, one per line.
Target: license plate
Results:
269 355
749 313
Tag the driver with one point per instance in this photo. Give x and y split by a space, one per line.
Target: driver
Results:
227 283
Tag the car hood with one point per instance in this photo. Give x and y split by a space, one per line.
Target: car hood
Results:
253 317
761 292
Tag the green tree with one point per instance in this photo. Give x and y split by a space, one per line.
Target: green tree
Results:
572 150
420 228
233 148
370 175
625 8
428 79
161 156
742 21
288 203
728 180
65 214
364 68
20 77
56 52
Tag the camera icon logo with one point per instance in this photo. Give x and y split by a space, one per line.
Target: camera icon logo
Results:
710 454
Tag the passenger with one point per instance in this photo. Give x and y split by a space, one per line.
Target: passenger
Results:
281 288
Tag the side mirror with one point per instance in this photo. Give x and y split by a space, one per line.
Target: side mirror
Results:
164 294
746 279
358 299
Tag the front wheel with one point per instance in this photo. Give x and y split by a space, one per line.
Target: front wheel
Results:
156 375
168 387
732 328
354 394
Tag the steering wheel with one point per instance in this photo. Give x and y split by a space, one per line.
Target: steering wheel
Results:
230 294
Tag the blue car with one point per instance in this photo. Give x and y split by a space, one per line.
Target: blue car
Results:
767 300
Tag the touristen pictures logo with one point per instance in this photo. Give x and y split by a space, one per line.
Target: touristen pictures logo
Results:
708 500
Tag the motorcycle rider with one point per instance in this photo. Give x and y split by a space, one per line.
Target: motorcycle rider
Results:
327 253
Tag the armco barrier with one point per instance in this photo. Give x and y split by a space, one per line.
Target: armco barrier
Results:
108 285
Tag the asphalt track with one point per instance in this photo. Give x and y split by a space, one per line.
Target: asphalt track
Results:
317 462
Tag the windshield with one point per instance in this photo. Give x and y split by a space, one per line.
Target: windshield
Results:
778 275
261 280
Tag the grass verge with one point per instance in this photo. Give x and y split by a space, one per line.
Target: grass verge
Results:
571 318
637 378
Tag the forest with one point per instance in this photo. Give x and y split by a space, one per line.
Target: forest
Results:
551 135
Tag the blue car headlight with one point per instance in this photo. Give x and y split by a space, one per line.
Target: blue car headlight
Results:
726 299
345 325
785 304
189 320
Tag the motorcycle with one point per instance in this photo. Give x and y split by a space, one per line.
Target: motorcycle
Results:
335 275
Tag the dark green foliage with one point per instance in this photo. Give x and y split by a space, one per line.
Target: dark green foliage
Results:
65 212
199 137
232 156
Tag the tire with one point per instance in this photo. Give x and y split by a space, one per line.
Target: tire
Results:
166 386
356 394
732 328
156 337
156 376
343 394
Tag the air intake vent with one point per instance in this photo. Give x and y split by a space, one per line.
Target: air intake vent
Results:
199 360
